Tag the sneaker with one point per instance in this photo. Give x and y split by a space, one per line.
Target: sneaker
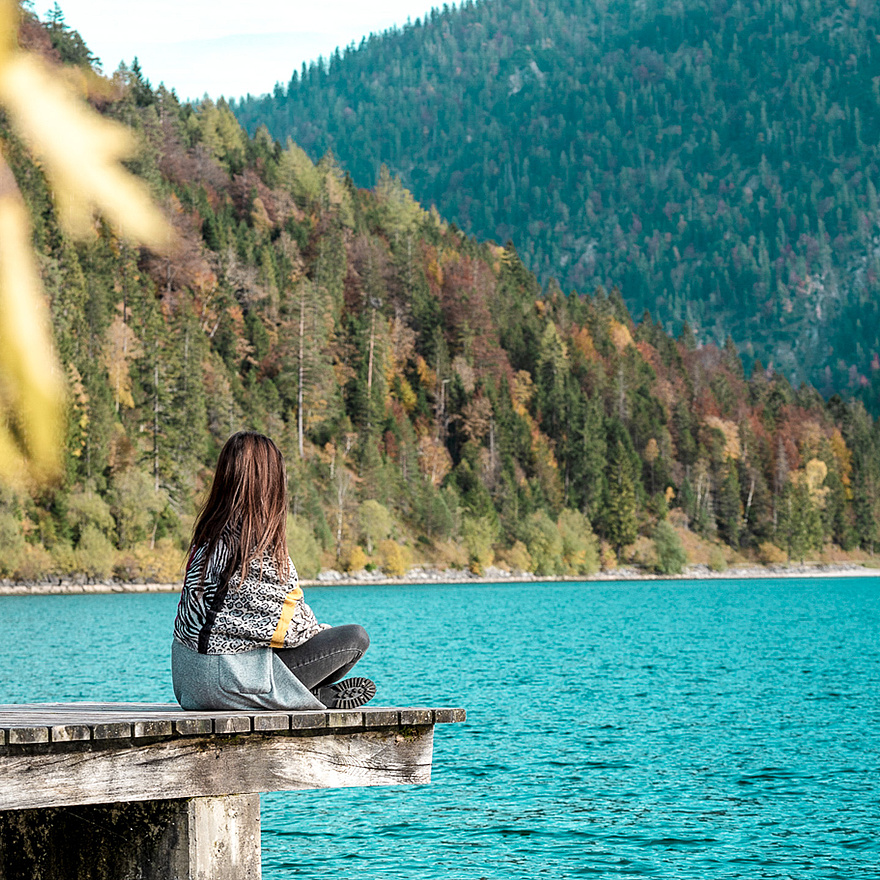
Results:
347 694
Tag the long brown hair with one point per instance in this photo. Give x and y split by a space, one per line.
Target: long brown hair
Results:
247 505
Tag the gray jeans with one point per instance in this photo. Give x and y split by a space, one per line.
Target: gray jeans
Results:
327 656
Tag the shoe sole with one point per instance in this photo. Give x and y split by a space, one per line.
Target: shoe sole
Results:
347 694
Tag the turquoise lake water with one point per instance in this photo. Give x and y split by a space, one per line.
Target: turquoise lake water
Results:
718 729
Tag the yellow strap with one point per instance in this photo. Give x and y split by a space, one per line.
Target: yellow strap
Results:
290 601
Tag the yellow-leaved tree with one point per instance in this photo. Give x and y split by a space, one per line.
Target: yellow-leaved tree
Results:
81 155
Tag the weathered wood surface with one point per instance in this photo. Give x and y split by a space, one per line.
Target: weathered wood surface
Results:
210 766
90 753
198 839
28 724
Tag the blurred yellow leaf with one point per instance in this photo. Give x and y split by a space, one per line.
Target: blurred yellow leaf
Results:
80 152
81 155
31 388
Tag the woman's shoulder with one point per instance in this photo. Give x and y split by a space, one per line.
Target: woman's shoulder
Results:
218 555
266 566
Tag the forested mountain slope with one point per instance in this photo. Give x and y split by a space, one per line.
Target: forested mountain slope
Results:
717 161
432 403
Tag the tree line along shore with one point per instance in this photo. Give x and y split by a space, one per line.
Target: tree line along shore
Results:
434 403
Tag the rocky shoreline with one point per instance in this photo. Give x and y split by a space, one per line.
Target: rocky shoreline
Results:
427 575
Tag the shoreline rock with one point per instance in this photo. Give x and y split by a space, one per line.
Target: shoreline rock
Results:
419 575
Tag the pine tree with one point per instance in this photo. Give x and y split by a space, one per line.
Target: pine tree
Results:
728 507
619 516
800 523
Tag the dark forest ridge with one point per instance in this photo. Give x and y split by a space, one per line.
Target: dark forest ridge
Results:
717 161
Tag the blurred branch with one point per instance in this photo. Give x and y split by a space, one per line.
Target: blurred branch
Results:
80 153
31 390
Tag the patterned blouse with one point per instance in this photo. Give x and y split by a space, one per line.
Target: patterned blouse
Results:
260 612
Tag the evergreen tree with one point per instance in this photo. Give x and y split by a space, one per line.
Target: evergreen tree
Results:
728 507
619 519
800 523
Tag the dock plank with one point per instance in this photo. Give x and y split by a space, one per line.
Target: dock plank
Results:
144 729
337 718
381 717
193 726
448 715
200 766
232 724
70 732
308 720
27 735
416 717
112 730
271 722
27 724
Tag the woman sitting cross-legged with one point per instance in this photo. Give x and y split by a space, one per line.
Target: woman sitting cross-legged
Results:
243 637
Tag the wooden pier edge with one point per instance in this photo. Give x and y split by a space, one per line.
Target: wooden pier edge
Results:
149 792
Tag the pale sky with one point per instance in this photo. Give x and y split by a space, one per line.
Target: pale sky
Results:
226 47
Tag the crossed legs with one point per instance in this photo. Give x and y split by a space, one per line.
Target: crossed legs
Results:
327 656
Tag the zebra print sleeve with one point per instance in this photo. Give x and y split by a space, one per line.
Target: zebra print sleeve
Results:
197 597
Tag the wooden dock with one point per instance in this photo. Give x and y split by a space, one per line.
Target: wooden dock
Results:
146 791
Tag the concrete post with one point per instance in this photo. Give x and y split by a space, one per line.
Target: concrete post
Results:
204 838
224 837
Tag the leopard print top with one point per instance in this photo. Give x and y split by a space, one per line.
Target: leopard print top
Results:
261 611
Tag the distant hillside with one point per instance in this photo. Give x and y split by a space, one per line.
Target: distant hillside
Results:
717 161
432 404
